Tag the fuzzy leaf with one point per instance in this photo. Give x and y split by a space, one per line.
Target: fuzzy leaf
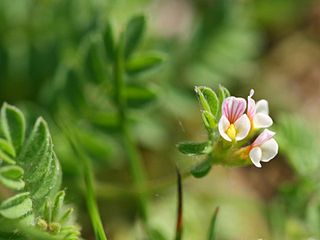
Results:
192 149
208 100
17 206
13 125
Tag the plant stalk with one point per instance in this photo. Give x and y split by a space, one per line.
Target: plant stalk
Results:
135 161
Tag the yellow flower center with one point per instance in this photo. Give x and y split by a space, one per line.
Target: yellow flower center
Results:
231 132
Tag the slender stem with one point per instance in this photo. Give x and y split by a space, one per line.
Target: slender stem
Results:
89 185
135 161
179 225
91 202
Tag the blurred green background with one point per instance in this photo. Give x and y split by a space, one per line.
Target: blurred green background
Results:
54 62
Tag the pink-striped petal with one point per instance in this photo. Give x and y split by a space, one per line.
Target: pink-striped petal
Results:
233 108
242 126
263 137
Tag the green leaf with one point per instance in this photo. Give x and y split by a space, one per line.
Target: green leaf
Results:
95 63
212 228
42 170
209 120
138 96
6 158
202 169
133 34
17 206
13 125
109 42
16 184
12 172
6 147
208 100
223 93
57 205
193 149
145 62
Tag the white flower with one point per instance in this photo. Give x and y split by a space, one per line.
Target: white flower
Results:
264 148
258 113
234 125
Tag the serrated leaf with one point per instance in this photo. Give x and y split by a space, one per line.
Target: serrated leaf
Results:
109 42
212 228
141 63
193 149
138 96
13 125
133 34
208 100
17 206
202 169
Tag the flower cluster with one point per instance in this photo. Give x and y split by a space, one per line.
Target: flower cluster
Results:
241 121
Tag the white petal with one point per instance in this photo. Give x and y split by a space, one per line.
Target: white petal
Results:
242 126
262 120
255 155
265 136
269 150
223 127
262 107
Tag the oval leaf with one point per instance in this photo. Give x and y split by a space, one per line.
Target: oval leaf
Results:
133 34
193 149
13 125
145 62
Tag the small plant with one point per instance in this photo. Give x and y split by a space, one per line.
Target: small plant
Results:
30 169
237 133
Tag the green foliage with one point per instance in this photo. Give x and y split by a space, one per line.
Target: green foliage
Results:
212 228
193 149
30 166
133 34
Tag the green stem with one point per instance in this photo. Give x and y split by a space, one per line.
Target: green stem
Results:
179 224
134 158
89 184
91 202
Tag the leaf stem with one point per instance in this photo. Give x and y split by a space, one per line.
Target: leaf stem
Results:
134 158
179 225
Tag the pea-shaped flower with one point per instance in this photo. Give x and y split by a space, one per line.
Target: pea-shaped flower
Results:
258 112
234 125
264 148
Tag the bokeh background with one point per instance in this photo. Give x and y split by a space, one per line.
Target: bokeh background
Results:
53 63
